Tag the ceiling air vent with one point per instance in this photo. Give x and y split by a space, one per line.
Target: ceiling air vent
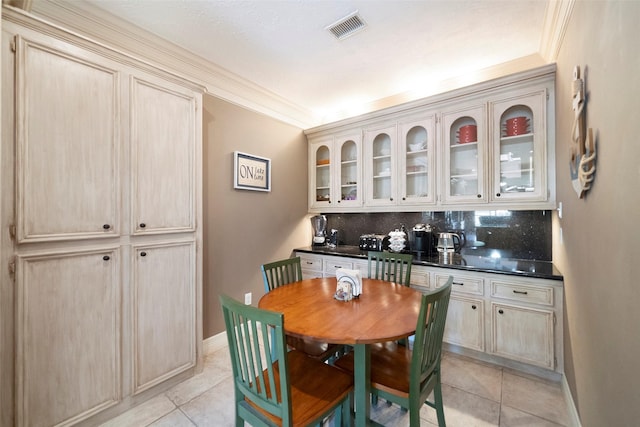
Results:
347 26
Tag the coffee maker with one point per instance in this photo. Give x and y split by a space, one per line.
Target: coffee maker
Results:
319 230
423 240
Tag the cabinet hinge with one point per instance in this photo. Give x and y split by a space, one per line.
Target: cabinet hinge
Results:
12 45
12 266
555 319
12 231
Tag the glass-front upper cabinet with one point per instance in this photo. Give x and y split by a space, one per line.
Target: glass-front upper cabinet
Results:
336 173
417 161
348 173
519 145
320 154
380 166
464 150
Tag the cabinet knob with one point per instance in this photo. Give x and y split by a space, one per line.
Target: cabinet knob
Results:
501 311
143 225
473 307
497 194
106 257
404 198
143 253
391 199
479 196
106 226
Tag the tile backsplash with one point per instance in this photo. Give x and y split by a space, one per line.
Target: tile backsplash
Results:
515 234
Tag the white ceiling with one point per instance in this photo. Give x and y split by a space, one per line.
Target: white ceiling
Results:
409 49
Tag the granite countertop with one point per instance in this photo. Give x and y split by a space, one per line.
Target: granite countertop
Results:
494 263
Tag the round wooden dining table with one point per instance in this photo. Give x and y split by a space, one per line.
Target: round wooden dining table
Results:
384 311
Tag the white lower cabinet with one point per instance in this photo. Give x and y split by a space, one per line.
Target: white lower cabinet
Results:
524 325
524 334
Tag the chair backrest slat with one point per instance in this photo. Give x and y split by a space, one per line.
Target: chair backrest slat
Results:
278 273
391 267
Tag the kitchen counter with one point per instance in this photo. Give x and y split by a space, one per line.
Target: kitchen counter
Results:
493 262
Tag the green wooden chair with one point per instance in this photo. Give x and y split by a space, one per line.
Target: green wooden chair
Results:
279 273
408 377
291 390
391 267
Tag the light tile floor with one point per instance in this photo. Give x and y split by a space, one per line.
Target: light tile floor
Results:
474 394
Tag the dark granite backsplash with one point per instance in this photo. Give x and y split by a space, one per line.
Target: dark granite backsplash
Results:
513 234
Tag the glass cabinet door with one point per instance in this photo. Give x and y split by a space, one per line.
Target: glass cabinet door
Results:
464 153
417 161
348 171
519 148
381 166
321 179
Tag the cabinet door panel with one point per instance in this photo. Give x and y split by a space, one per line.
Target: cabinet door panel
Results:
67 145
164 305
163 139
524 334
68 328
519 139
465 323
464 156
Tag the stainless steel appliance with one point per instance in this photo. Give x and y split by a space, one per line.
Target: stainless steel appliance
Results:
448 243
319 227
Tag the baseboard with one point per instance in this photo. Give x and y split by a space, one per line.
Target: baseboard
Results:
214 343
572 411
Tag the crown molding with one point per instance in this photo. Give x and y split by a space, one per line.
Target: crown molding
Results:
91 22
556 19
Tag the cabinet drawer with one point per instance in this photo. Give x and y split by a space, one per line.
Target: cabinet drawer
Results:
522 292
420 277
310 262
462 284
331 265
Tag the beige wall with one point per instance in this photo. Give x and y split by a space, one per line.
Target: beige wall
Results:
600 256
244 229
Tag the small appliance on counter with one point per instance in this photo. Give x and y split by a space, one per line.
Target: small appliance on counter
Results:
319 226
373 242
423 240
448 243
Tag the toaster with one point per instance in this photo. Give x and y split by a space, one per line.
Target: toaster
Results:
373 242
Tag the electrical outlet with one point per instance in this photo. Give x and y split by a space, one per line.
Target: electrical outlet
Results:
247 298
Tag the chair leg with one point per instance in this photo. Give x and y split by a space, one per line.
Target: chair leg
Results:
437 394
347 407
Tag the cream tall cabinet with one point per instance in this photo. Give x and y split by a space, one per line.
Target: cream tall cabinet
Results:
101 183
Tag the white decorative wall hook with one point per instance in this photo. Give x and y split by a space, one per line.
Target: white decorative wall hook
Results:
583 148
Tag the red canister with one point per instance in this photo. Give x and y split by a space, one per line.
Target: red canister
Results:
468 133
516 126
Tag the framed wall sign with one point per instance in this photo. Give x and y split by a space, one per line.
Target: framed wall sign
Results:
251 172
